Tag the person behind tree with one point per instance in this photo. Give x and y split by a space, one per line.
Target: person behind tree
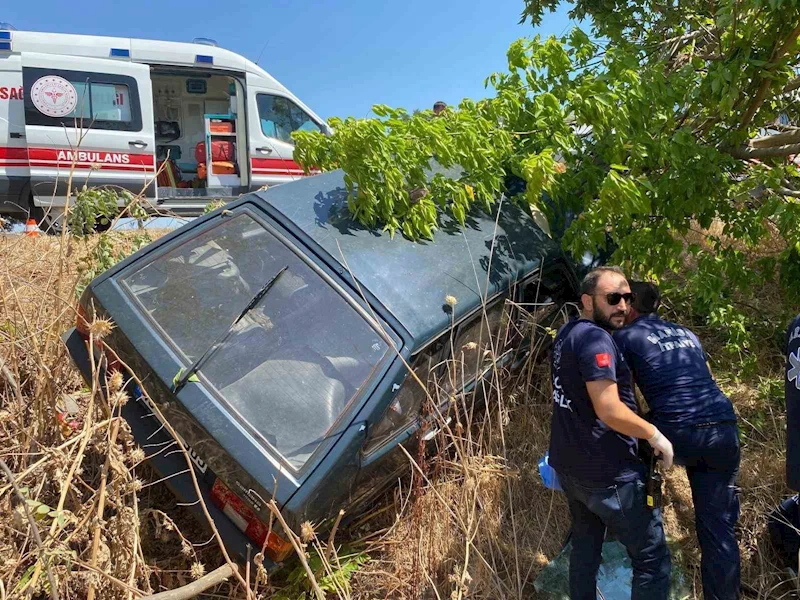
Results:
671 369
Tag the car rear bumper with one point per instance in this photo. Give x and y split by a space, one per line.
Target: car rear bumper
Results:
170 464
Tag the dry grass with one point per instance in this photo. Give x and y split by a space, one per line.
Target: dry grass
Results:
472 520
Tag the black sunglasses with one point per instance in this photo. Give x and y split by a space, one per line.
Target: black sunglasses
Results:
614 297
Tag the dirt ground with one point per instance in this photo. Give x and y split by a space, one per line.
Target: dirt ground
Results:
474 521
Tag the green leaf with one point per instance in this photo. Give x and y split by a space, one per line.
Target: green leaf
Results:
177 377
193 378
617 167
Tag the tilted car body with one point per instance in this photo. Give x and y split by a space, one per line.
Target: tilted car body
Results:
306 398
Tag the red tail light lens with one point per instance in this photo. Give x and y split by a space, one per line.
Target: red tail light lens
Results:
246 520
82 327
82 322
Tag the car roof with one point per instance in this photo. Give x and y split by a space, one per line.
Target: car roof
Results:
411 279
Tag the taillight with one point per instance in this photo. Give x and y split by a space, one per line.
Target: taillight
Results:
82 327
247 521
82 322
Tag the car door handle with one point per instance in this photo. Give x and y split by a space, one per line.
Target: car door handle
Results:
264 149
17 136
137 144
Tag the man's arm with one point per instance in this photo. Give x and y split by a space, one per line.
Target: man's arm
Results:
614 413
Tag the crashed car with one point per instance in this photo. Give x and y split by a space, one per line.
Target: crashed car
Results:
273 336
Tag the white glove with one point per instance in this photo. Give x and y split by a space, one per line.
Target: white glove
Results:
662 447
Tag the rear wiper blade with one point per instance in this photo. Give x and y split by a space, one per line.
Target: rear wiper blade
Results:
184 376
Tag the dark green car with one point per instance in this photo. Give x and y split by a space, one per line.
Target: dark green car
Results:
270 335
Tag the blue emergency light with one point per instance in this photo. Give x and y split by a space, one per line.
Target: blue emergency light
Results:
5 46
120 53
204 59
5 35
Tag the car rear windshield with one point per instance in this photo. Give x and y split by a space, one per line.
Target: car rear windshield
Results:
292 365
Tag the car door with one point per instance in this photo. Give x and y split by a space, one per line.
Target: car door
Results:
273 116
382 462
90 120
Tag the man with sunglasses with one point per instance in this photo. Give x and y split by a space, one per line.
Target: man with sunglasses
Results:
671 370
594 437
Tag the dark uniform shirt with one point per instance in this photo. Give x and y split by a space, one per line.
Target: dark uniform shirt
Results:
581 445
793 405
669 365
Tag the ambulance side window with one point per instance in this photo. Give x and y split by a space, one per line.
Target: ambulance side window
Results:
104 100
280 117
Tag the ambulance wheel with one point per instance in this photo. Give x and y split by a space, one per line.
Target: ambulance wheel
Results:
49 222
102 227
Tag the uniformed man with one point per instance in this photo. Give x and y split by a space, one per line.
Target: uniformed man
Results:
793 405
594 441
784 522
671 370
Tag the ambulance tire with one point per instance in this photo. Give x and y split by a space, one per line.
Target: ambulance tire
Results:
102 227
45 223
52 226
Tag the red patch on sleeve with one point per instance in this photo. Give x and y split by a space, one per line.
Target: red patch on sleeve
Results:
603 360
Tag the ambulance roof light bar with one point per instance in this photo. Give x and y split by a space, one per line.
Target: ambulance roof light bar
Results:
5 37
205 41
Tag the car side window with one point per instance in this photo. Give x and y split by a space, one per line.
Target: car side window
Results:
473 347
280 117
407 403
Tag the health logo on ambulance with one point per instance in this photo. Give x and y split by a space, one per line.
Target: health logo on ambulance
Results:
54 96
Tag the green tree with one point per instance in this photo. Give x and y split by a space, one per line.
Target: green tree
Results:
668 132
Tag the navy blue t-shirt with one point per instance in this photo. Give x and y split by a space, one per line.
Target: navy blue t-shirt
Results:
581 445
669 365
793 405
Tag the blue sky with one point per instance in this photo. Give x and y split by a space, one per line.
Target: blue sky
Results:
340 58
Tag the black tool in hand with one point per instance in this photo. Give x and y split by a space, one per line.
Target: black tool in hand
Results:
654 486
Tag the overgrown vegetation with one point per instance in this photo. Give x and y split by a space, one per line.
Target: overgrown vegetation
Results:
667 122
644 134
471 520
98 209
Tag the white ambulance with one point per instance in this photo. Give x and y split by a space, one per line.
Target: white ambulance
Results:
113 111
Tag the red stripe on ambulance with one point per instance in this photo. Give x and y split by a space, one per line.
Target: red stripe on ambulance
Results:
13 154
275 166
81 159
92 157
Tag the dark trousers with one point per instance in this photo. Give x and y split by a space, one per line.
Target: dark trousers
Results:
711 456
620 509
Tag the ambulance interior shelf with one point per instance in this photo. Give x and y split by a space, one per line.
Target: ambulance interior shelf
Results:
219 151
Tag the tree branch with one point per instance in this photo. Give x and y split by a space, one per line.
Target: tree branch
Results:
778 151
190 590
787 192
778 139
791 86
766 81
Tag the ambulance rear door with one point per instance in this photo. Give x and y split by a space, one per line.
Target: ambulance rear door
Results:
90 120
272 116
